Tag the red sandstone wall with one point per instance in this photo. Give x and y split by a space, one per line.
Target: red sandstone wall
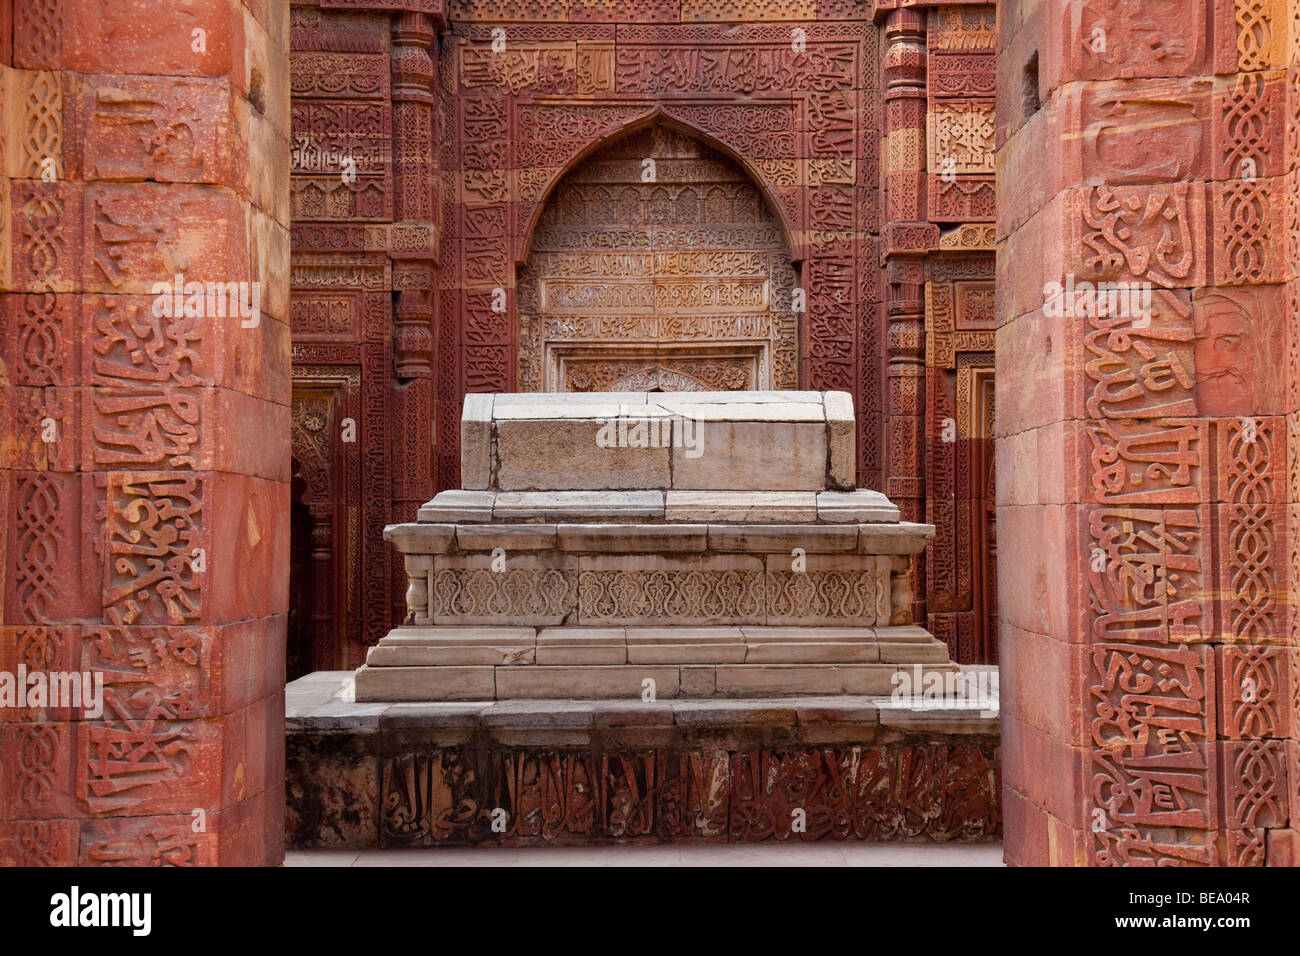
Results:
937 381
1149 657
374 342
1283 846
364 267
850 139
144 459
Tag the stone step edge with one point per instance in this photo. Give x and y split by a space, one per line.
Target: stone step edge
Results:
455 634
620 534
905 643
310 712
662 681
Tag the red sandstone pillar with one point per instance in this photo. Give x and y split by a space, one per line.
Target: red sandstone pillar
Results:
906 238
412 245
1148 660
145 457
1282 664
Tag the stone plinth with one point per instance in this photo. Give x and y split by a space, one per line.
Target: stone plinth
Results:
593 562
504 773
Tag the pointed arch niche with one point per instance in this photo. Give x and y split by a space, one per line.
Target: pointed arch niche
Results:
657 264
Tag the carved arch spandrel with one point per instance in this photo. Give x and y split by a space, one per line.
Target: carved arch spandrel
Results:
680 281
642 117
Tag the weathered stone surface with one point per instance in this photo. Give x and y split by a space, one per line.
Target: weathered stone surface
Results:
751 680
571 506
476 442
576 647
757 507
582 645
512 537
615 538
672 751
556 408
603 682
856 506
843 633
726 713
904 538
451 654
426 683
683 635
554 442
809 537
559 450
421 538
749 453
905 653
814 652
710 653
570 715
684 645
841 428
453 506
332 795
697 680
433 636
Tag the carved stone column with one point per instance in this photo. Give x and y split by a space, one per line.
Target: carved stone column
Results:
146 469
906 239
1147 553
413 243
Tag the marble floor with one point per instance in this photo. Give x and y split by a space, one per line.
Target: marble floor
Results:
785 854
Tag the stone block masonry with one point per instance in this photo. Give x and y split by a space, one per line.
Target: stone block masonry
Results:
820 217
1146 500
609 579
565 772
144 469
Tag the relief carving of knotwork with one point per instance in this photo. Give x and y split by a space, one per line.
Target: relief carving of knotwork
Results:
859 596
960 138
38 544
468 595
